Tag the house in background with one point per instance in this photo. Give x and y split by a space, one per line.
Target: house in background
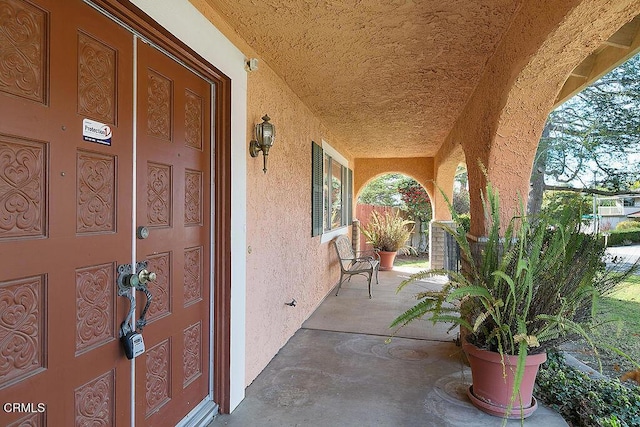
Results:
125 170
613 210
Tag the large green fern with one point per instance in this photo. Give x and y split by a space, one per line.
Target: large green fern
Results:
525 288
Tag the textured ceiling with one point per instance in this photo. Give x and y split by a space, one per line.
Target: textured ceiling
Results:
391 75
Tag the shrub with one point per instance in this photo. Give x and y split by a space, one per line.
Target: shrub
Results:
465 221
585 401
628 225
620 237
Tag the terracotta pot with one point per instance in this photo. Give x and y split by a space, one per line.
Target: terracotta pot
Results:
386 260
491 391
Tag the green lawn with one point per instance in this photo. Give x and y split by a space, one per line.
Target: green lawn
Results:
586 402
412 261
619 325
629 291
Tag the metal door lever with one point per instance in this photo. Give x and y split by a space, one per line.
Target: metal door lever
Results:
146 276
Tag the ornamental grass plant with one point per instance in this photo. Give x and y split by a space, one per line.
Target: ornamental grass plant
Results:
388 232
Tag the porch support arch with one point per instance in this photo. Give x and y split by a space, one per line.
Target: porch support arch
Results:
501 125
445 166
419 168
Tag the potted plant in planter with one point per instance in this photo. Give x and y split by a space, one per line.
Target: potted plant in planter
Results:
523 290
388 233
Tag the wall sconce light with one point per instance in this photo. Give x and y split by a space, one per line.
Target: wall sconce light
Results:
265 134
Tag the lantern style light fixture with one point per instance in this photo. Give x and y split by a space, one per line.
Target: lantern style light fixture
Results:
265 135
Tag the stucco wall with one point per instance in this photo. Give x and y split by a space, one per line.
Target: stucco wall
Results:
445 172
283 261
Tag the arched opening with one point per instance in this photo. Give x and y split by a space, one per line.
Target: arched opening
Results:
401 194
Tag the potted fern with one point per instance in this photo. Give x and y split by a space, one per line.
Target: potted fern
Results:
388 234
525 288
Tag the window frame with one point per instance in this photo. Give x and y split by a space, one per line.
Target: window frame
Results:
346 183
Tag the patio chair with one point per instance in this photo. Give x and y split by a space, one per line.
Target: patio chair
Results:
351 263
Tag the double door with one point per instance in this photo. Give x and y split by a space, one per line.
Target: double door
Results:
100 134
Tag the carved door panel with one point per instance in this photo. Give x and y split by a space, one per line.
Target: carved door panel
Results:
173 193
65 213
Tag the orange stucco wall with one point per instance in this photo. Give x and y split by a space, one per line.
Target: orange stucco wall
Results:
283 261
445 175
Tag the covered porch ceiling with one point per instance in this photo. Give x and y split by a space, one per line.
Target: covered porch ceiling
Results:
389 79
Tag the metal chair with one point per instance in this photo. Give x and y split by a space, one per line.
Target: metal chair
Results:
351 263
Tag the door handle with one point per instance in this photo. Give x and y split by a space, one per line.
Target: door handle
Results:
129 281
146 276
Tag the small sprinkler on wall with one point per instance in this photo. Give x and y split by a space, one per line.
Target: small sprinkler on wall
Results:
251 64
292 303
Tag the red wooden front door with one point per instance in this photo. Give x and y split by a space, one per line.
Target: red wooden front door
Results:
173 195
68 212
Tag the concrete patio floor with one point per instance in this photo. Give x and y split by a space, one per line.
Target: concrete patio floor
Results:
339 369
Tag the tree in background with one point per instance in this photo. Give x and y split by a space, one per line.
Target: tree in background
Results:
417 205
383 191
416 200
400 191
460 202
560 204
590 144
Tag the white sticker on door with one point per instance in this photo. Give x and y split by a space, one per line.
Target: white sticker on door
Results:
93 131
